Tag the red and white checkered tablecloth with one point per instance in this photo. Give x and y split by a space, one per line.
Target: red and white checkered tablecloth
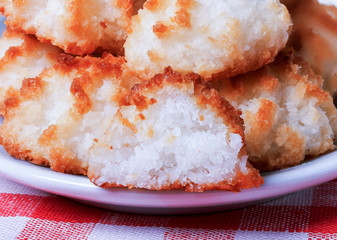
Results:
26 213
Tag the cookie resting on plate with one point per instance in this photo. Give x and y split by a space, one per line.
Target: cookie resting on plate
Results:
172 132
22 56
78 27
287 116
214 38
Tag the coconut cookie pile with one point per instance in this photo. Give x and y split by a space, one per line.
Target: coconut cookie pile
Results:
205 97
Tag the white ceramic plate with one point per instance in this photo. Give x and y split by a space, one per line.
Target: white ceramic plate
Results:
79 188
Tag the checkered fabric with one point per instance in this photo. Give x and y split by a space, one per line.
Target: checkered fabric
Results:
26 213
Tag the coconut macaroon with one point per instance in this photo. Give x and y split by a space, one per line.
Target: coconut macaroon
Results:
287 116
214 38
78 27
172 132
33 116
21 57
315 36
